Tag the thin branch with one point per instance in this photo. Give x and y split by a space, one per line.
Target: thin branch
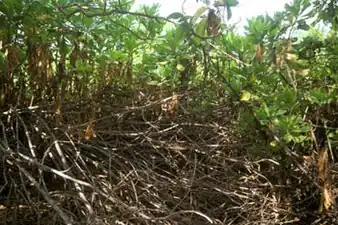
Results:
47 197
81 9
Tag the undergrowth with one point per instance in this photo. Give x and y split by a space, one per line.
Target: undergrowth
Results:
134 164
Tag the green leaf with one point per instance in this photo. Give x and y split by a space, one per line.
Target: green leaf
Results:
300 138
175 15
201 27
62 2
197 14
231 3
266 109
229 13
318 96
184 30
117 55
82 67
88 21
288 137
303 26
3 58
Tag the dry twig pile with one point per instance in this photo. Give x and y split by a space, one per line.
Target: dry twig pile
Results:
130 165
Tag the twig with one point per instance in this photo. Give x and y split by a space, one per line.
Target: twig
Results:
46 196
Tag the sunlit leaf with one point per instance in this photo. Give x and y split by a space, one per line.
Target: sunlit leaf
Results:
117 55
201 27
180 67
163 63
291 57
43 17
288 137
273 143
197 14
303 72
245 96
153 82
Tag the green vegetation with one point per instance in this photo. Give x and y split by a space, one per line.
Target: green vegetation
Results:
65 64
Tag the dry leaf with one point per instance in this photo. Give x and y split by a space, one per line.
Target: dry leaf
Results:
326 200
169 108
90 131
259 56
322 164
